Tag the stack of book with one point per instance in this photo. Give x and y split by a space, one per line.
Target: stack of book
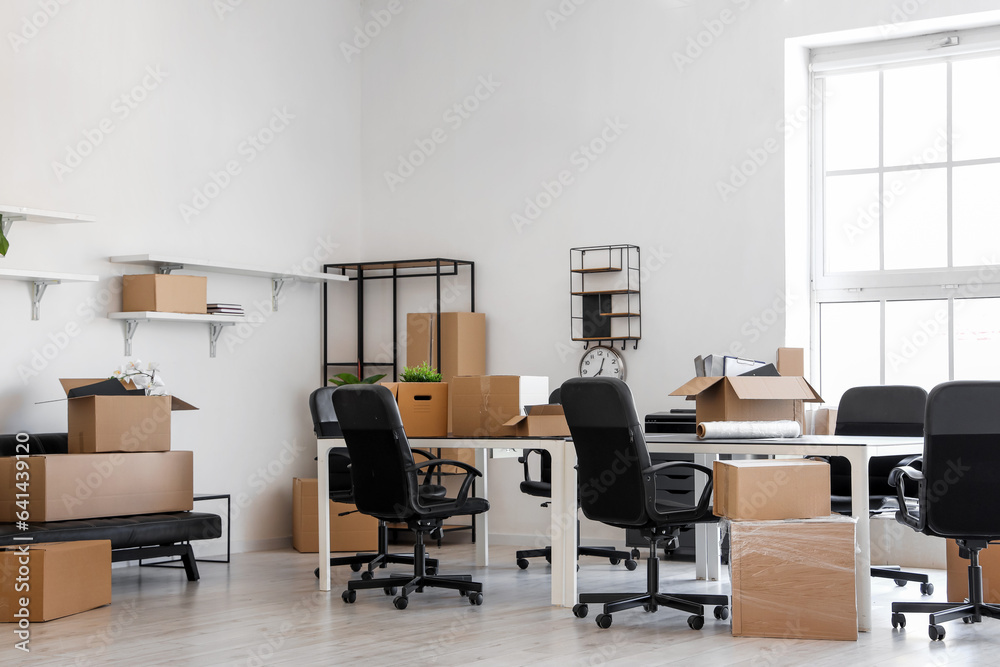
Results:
225 309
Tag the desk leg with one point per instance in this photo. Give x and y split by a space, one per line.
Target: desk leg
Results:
323 492
482 520
706 540
563 513
859 510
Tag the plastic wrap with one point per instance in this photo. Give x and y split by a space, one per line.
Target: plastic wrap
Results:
794 579
767 429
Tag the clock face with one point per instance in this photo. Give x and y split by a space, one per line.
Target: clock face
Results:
603 362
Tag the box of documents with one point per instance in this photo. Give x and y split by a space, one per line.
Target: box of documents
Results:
749 398
763 490
40 582
352 532
481 405
423 407
794 579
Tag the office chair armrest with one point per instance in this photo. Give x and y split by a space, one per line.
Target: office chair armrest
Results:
471 472
916 461
706 494
523 460
897 477
426 454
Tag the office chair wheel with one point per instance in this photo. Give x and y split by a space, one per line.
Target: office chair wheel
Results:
475 599
898 620
522 563
630 565
580 610
604 621
635 553
649 608
696 622
935 632
966 619
349 596
615 561
355 567
927 588
316 572
432 571
900 582
721 613
389 590
367 576
400 602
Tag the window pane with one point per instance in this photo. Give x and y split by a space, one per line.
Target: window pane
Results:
916 342
851 213
850 121
915 213
975 108
914 114
976 215
849 347
977 339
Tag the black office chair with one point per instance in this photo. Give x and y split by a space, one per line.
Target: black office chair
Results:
956 491
386 486
879 410
325 424
618 487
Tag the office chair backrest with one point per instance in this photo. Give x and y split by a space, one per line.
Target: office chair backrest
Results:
610 450
882 410
556 396
962 460
323 415
380 452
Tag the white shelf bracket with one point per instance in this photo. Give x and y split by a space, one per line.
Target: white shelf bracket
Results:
37 290
214 331
276 285
130 327
165 269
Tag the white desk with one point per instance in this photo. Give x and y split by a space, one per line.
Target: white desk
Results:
563 507
857 449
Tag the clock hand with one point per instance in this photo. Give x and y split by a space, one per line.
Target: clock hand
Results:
601 369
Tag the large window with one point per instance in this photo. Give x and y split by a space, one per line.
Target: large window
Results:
906 208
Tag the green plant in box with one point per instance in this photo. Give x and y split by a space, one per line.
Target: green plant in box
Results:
348 378
421 373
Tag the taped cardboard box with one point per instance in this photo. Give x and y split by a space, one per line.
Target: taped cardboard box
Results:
90 486
541 421
794 579
353 532
423 407
482 404
749 398
463 343
765 490
101 418
958 573
63 578
165 293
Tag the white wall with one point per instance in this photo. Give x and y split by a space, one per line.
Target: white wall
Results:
222 75
715 267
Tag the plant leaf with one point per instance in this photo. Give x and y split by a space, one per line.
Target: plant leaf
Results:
345 378
373 379
4 243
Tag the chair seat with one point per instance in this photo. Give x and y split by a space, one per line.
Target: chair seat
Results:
432 491
537 489
446 507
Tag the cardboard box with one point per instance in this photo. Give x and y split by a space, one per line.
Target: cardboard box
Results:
354 532
481 405
99 422
63 578
747 398
958 573
463 343
165 293
825 421
423 407
794 579
765 490
541 420
893 543
791 361
89 486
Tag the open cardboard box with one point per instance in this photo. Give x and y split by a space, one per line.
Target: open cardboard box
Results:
541 420
481 405
103 417
749 398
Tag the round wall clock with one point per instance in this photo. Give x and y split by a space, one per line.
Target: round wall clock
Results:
602 361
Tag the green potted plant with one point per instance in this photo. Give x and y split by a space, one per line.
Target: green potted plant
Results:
349 378
421 373
423 402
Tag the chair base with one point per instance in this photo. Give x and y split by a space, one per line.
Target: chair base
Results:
652 599
381 558
901 577
615 556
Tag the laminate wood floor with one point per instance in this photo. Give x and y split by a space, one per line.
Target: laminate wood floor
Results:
264 609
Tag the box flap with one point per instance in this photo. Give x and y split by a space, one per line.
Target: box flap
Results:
547 409
695 386
770 388
514 421
69 384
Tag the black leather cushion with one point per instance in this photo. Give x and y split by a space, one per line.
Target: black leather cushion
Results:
38 443
140 530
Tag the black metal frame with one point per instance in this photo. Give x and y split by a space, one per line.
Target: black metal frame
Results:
632 288
182 549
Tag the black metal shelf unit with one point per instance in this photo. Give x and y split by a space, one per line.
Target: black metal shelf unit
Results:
605 299
362 272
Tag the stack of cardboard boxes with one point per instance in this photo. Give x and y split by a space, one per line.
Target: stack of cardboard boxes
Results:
119 463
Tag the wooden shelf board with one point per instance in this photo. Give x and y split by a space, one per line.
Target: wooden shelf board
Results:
611 338
619 315
599 269
607 291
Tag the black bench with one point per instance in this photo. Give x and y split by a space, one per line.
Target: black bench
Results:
135 537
